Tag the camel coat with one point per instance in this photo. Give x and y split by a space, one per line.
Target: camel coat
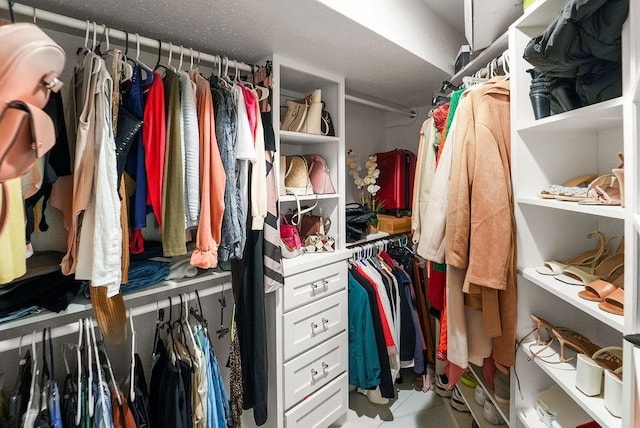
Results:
480 231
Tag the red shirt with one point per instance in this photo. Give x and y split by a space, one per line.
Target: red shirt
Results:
154 141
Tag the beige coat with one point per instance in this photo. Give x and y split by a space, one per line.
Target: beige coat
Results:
480 234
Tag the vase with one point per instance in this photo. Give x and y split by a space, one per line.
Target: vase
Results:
373 224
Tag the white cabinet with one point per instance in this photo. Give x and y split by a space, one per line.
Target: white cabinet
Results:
551 151
307 320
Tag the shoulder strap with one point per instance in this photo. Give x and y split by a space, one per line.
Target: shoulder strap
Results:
4 209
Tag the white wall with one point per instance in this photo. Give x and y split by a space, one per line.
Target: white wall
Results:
404 133
365 134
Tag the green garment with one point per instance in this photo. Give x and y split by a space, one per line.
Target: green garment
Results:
453 105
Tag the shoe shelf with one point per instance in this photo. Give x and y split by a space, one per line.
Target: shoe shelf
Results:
290 137
292 198
564 374
569 293
530 419
604 115
460 419
503 408
475 409
609 211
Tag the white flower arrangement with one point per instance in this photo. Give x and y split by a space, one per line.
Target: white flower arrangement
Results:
367 184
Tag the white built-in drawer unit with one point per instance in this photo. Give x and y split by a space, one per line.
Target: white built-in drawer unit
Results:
322 408
314 369
309 326
313 285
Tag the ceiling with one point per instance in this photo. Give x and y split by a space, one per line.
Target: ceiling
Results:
451 11
375 67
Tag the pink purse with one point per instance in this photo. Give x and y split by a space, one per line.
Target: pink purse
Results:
30 63
319 175
290 237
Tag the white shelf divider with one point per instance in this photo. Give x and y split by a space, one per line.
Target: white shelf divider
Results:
609 211
292 198
503 409
564 374
569 293
590 118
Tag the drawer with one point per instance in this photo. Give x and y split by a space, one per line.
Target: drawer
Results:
314 369
313 285
322 408
309 326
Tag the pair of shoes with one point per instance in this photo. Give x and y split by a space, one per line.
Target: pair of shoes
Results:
569 338
442 383
457 401
590 369
502 384
609 294
468 379
490 414
587 260
607 269
607 189
479 396
569 190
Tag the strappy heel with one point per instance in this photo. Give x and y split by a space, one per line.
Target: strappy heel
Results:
608 269
587 260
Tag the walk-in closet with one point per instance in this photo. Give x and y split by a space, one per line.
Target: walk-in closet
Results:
318 213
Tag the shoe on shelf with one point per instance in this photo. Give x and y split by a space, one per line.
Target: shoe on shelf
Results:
479 396
503 387
619 173
589 370
604 190
442 383
613 303
469 379
576 183
491 415
586 260
607 270
599 289
457 401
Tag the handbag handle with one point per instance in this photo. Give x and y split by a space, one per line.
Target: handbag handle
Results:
301 211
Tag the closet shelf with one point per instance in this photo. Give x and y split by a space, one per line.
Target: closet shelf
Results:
461 420
292 198
482 58
530 419
540 14
503 409
599 210
564 374
604 115
476 410
310 261
569 293
301 138
81 307
370 237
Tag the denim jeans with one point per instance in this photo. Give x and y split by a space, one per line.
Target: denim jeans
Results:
233 227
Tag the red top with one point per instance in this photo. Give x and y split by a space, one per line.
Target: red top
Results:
154 141
388 338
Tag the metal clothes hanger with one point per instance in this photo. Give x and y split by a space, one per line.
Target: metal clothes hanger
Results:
181 57
222 331
88 347
79 362
148 71
132 389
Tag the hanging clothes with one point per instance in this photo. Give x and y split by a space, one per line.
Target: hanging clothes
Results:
191 149
140 405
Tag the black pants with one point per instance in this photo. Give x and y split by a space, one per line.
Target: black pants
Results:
248 288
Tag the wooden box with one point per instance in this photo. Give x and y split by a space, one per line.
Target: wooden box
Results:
393 225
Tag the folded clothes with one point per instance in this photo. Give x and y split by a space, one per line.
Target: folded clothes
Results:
142 274
51 291
182 269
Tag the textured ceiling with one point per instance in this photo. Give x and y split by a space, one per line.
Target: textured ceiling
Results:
250 30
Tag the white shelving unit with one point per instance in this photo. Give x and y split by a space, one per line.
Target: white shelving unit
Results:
502 408
307 319
553 150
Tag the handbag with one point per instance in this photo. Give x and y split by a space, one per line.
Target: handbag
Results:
311 224
294 176
30 63
290 238
319 175
326 124
304 115
357 218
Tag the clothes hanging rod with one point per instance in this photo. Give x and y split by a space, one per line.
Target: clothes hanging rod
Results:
72 327
411 113
76 24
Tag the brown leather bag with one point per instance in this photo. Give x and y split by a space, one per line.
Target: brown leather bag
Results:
30 63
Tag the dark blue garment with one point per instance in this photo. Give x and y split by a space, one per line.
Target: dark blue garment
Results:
142 274
133 101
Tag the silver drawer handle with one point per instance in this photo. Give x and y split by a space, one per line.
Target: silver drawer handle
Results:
325 283
314 326
325 366
314 373
324 323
